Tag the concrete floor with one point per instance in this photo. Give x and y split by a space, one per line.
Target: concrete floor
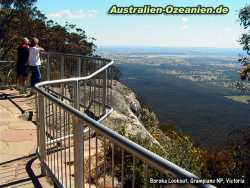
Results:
19 167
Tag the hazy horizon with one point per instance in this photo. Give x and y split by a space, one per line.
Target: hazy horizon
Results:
152 46
110 51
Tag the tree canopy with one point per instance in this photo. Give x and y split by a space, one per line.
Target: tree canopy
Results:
21 18
244 16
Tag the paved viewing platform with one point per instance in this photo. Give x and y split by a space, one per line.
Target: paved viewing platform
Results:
19 166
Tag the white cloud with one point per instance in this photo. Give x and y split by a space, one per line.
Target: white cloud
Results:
184 24
184 19
73 14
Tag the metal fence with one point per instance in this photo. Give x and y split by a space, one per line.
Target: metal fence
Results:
7 73
75 149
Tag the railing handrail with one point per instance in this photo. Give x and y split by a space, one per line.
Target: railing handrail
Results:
44 83
6 61
142 153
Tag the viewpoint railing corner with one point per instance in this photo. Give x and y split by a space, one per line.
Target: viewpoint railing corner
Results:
74 148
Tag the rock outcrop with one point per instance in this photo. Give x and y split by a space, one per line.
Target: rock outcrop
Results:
127 111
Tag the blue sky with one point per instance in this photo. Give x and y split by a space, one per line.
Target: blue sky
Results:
144 30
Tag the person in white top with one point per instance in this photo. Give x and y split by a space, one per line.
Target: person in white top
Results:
34 61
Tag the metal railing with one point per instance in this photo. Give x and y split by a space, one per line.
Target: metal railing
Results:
75 149
7 73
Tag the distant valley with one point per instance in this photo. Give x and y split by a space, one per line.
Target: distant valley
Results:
193 89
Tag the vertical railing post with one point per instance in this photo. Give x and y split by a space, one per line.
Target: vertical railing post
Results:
62 75
104 97
62 67
78 70
42 133
37 121
78 142
84 67
48 70
76 95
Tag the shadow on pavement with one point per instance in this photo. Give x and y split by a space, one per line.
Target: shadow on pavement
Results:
23 175
10 97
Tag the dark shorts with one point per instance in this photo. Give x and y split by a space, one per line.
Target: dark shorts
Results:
22 70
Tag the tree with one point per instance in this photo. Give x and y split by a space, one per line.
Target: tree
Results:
20 18
244 16
11 14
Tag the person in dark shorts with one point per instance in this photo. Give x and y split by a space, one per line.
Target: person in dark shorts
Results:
22 65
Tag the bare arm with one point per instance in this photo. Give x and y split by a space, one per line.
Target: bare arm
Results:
40 48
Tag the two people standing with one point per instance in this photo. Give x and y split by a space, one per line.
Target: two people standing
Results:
28 60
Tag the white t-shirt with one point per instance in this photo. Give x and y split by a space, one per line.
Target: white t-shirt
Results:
34 57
